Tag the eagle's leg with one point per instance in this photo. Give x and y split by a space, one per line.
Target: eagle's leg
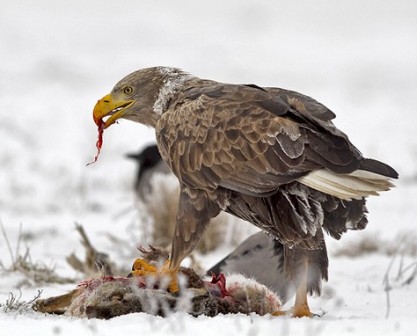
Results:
307 268
192 219
193 216
301 308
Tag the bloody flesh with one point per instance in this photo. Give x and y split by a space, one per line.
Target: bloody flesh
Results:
99 143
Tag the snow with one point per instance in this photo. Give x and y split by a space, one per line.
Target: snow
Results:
57 58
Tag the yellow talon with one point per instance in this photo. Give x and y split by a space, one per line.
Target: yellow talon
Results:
142 268
301 311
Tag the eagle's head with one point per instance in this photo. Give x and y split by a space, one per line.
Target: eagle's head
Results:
141 96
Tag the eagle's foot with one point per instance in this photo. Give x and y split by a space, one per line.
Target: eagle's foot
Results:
296 311
164 273
301 311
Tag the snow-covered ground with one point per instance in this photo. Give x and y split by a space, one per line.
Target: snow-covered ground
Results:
57 58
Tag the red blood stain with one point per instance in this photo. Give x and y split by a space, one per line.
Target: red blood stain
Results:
220 281
99 143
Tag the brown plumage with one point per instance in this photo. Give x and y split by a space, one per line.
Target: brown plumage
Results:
270 156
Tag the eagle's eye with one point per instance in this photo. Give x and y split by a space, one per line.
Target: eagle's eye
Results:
128 90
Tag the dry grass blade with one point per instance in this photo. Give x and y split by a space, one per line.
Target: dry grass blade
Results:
6 239
15 303
95 263
408 273
405 276
387 287
21 262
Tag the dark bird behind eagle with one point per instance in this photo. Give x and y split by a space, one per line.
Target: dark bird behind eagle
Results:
270 156
149 163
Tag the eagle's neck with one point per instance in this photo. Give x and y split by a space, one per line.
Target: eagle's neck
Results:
173 80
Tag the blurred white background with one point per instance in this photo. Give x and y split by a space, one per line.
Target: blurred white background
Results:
57 58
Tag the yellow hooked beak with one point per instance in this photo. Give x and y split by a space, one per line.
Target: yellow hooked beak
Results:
110 107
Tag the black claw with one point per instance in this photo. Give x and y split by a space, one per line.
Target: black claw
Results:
318 315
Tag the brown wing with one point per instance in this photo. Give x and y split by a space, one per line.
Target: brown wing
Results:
245 139
305 105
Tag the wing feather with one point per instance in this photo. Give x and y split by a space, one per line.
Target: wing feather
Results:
250 140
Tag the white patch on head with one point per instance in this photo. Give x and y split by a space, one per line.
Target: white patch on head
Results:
175 78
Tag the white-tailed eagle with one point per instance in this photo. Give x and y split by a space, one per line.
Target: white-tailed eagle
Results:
270 156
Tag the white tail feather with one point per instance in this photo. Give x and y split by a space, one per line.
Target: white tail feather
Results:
355 185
